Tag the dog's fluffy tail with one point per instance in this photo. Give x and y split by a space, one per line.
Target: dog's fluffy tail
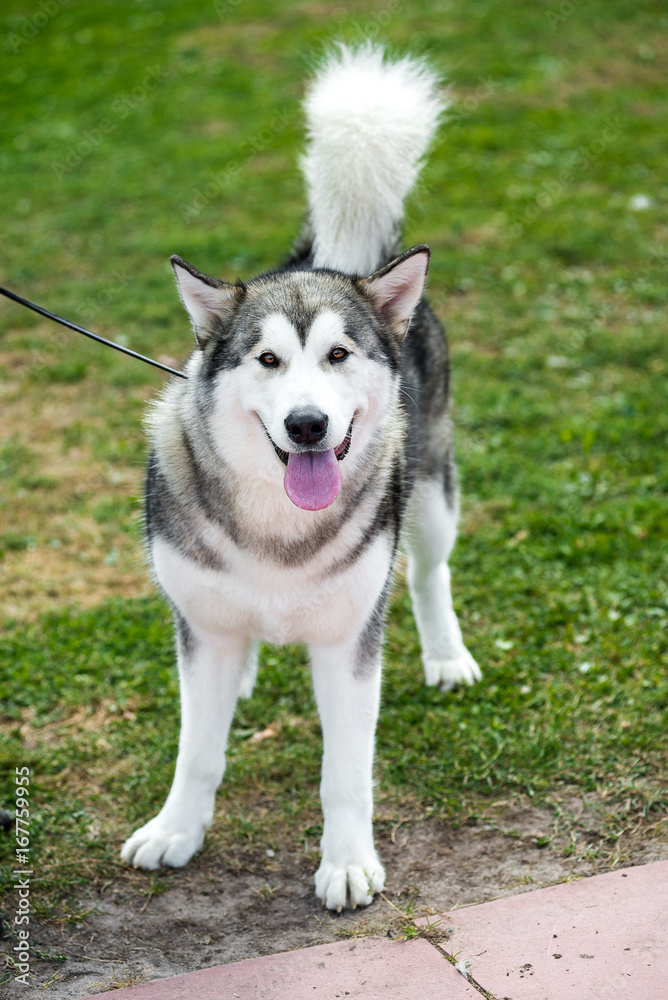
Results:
370 122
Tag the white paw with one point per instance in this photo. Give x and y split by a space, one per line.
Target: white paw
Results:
449 673
160 844
353 884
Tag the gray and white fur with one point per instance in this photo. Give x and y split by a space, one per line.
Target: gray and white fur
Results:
313 426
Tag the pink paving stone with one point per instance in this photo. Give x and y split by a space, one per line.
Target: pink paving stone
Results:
368 969
601 938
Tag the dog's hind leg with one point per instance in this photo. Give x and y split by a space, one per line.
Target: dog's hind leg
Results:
210 671
430 536
249 675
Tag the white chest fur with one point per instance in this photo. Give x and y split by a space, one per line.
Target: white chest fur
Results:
257 599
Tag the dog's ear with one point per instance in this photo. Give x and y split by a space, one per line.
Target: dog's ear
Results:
397 288
210 303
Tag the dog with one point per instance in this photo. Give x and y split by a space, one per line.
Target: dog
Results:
313 426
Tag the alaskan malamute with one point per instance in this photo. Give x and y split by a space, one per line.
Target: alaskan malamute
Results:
313 424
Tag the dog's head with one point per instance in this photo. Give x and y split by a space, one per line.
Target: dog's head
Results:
299 369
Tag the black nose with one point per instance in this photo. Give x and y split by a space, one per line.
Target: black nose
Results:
306 426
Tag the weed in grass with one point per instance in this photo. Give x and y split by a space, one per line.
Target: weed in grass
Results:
48 956
157 885
122 979
405 926
267 891
52 980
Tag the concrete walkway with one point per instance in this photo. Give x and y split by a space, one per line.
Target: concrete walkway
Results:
601 938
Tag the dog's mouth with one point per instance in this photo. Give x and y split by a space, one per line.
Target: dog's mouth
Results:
313 478
339 452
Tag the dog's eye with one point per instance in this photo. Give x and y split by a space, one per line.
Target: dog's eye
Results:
338 354
268 359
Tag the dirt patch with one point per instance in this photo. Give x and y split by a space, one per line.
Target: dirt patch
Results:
233 905
71 509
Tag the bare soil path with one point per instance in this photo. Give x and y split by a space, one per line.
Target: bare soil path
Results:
236 905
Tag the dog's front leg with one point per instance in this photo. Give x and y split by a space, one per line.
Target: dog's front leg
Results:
210 671
346 681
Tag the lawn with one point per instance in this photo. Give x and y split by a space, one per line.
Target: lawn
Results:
137 130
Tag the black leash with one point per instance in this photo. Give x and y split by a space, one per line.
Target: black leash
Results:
88 333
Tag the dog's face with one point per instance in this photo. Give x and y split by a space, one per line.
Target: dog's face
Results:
299 369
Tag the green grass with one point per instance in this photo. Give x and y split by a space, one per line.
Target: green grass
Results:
553 287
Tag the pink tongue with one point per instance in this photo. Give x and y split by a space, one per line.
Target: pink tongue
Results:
313 479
